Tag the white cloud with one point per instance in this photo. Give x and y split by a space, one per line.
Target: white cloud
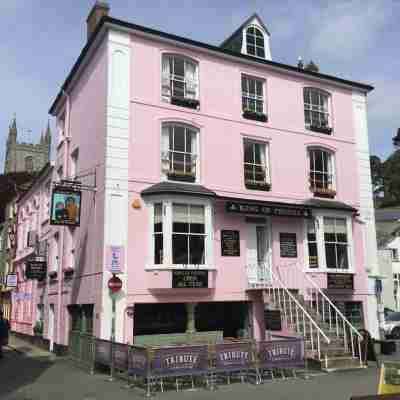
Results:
347 29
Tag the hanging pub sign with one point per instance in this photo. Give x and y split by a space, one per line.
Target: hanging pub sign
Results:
183 279
340 281
65 206
288 245
36 269
230 243
261 209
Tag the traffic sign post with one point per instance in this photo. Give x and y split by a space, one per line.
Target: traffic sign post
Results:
115 285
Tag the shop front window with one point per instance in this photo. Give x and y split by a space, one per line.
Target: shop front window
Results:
312 244
158 234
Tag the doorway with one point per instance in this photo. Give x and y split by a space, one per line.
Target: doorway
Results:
258 253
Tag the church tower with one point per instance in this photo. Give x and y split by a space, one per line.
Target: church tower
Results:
26 157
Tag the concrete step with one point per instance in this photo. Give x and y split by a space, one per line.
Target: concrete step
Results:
339 363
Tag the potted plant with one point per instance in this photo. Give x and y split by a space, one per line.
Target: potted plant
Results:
38 328
254 115
185 102
257 185
323 192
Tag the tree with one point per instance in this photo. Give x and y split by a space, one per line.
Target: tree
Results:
376 175
391 176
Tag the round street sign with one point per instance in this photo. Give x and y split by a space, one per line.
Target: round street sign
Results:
114 284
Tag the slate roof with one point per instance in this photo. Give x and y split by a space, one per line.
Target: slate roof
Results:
329 204
177 188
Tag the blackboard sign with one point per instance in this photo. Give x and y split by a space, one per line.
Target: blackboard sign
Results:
341 281
288 245
273 320
230 243
182 279
36 269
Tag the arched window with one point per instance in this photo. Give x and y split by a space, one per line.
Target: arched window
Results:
316 110
179 155
321 173
180 83
29 164
255 42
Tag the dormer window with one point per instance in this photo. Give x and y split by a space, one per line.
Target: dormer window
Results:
255 42
180 81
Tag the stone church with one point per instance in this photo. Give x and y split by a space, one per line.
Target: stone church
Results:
27 157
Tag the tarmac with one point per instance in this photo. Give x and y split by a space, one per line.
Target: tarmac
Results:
29 373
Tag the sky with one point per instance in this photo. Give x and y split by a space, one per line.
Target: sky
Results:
353 39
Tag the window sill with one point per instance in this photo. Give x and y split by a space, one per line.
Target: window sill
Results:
328 271
181 177
188 103
255 116
161 267
320 129
258 186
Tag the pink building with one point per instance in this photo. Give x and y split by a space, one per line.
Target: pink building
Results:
234 185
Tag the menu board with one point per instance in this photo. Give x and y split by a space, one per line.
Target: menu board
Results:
341 281
273 321
230 243
288 245
36 269
182 279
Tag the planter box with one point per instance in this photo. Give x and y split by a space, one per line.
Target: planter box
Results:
258 186
326 193
255 116
182 102
320 129
181 177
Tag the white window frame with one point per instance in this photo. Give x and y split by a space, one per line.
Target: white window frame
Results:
168 202
250 96
165 153
319 227
266 156
309 106
254 45
331 161
168 78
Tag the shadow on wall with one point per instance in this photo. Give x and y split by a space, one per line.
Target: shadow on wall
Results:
79 267
17 371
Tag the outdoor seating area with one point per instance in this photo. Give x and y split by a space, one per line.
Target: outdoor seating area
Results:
157 369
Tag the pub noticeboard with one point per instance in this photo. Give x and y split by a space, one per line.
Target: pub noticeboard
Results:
288 245
273 320
36 269
184 279
230 243
340 281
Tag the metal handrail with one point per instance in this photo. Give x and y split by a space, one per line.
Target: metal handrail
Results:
330 302
274 277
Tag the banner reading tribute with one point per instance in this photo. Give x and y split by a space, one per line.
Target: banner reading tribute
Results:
65 207
286 353
233 356
175 361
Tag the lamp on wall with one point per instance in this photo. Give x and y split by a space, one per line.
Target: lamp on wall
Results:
130 311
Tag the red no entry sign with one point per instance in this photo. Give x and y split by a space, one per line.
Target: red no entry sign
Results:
114 284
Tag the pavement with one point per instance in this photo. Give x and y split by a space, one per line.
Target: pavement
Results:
28 373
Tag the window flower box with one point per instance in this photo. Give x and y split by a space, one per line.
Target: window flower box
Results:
181 176
185 102
323 192
320 129
68 273
53 275
257 185
255 116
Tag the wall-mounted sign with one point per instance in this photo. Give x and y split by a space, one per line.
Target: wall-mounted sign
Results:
189 279
115 256
36 269
65 206
260 209
288 245
273 320
12 280
340 281
230 243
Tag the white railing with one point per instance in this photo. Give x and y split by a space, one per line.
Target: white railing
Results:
295 314
258 275
294 277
